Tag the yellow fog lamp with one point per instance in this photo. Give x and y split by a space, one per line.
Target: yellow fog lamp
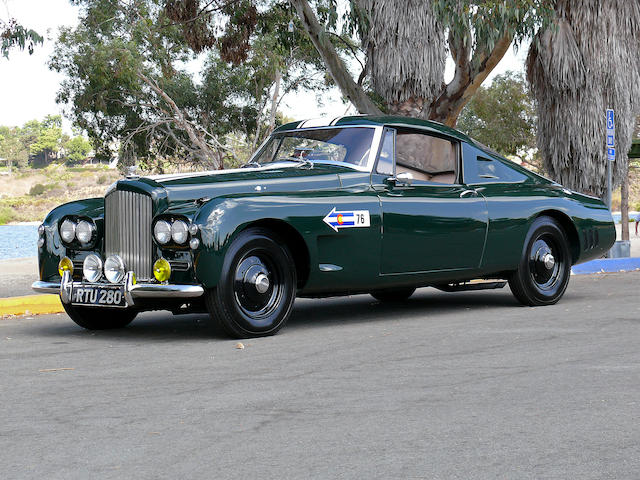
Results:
161 270
65 265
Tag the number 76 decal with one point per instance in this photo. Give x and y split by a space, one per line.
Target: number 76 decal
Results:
347 219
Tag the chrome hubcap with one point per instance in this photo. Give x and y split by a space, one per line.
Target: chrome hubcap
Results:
257 286
261 282
549 261
544 263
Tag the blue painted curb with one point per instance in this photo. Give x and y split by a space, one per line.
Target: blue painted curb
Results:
607 265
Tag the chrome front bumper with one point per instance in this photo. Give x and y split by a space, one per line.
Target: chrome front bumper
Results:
132 291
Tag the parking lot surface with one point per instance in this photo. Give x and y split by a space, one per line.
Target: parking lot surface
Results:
446 385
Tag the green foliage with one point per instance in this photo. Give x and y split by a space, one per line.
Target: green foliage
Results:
12 149
37 189
7 214
77 149
102 179
481 24
502 116
126 81
49 141
15 35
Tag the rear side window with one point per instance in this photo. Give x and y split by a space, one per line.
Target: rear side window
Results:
426 157
489 170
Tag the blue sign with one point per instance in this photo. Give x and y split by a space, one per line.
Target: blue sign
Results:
611 124
610 142
611 153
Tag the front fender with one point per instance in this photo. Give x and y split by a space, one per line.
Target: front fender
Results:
222 219
50 253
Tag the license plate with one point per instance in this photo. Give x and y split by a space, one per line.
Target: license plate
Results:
98 295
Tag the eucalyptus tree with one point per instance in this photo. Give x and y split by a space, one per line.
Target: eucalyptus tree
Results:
405 44
138 80
14 35
584 63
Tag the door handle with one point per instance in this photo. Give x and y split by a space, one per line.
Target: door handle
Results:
468 193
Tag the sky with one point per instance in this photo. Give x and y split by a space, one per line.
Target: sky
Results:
28 88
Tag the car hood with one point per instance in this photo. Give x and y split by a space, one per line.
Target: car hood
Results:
177 189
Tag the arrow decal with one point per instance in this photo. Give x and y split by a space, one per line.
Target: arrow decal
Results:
347 219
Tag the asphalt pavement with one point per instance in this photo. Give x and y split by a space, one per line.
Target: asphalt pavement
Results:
17 275
446 386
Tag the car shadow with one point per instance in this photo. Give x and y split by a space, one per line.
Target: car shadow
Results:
310 313
307 313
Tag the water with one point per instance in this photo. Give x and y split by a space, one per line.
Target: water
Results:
18 241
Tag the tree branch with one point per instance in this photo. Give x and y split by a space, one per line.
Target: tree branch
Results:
336 67
470 73
181 121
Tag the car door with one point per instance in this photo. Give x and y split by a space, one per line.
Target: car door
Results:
430 221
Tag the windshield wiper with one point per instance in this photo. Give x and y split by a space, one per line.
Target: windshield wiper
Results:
300 161
250 164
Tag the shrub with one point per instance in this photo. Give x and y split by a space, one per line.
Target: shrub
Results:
7 214
102 179
37 189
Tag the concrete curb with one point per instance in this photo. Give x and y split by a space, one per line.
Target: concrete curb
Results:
30 304
607 265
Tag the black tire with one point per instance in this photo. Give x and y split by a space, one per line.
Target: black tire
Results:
393 294
93 318
239 304
542 280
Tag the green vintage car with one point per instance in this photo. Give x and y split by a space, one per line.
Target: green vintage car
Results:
359 204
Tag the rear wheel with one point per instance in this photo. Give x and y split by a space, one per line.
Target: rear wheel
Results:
257 286
543 273
93 318
393 294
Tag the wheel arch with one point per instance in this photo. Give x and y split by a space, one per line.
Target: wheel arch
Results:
294 241
569 228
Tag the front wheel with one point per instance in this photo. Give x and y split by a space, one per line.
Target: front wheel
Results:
257 286
96 318
543 273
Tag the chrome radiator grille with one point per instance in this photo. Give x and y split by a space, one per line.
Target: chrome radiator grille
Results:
127 225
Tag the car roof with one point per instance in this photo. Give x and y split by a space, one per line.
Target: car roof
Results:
377 120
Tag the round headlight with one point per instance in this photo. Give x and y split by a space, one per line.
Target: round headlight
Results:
84 231
68 230
65 265
193 229
179 232
162 232
92 268
41 230
114 269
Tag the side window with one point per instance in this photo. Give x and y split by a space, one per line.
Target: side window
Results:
385 159
425 157
491 170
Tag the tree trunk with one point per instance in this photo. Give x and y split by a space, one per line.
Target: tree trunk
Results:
624 207
336 67
274 101
196 138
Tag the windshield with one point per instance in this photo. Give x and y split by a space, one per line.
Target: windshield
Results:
346 145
